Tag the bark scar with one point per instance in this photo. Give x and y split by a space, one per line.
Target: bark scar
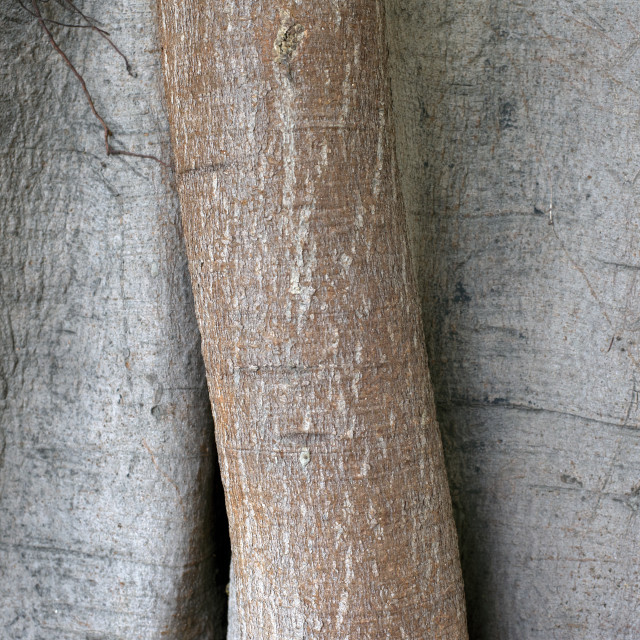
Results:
287 41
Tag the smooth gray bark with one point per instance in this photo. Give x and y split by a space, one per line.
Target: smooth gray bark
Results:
107 457
511 115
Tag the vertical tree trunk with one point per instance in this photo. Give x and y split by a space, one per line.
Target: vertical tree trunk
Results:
331 459
515 115
107 456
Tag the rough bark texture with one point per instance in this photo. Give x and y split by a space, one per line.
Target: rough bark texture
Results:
106 439
512 113
330 454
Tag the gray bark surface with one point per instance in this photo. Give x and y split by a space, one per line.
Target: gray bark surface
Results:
107 456
511 115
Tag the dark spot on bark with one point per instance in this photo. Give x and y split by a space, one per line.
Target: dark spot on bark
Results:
507 115
587 196
567 479
3 444
630 500
461 294
44 452
475 447
303 435
213 167
500 401
424 114
287 42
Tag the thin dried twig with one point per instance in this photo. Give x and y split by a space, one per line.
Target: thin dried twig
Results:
92 27
107 132
69 4
64 24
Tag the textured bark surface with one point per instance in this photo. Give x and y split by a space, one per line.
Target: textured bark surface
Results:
106 438
511 113
339 509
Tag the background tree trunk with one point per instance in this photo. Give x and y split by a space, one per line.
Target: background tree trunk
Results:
336 491
509 115
107 457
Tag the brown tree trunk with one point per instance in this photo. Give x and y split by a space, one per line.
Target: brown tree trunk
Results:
339 510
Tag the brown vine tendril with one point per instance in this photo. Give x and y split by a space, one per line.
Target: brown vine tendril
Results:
92 27
90 24
110 151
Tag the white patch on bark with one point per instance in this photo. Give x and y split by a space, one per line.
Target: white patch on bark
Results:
379 153
344 596
305 457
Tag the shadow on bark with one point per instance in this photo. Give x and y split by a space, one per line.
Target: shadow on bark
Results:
206 578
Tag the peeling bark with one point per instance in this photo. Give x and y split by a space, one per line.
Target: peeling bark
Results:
335 485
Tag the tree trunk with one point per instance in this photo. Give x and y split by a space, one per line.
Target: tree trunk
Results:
515 115
107 458
330 454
